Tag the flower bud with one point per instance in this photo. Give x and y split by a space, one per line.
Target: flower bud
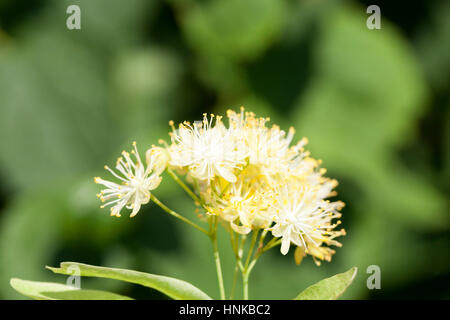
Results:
158 158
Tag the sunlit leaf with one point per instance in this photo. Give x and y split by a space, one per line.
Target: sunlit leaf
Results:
57 291
174 288
330 288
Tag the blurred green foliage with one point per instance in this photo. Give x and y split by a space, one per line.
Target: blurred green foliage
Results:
373 103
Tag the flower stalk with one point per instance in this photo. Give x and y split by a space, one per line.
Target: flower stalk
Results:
213 237
177 215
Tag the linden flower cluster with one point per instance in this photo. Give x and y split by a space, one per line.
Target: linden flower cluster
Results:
247 174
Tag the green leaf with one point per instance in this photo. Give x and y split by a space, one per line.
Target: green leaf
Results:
329 288
368 118
174 288
234 29
57 291
68 206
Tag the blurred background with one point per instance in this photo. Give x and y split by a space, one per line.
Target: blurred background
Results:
373 103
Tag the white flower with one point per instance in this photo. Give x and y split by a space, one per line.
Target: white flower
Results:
205 150
242 204
267 147
305 219
158 157
137 181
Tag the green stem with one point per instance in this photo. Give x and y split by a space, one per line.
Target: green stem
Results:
272 243
176 215
245 284
250 250
235 276
213 236
246 275
184 186
247 268
241 247
261 241
252 264
234 237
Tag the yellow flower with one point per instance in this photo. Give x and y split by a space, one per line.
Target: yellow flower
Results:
268 148
206 150
136 183
243 204
302 217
